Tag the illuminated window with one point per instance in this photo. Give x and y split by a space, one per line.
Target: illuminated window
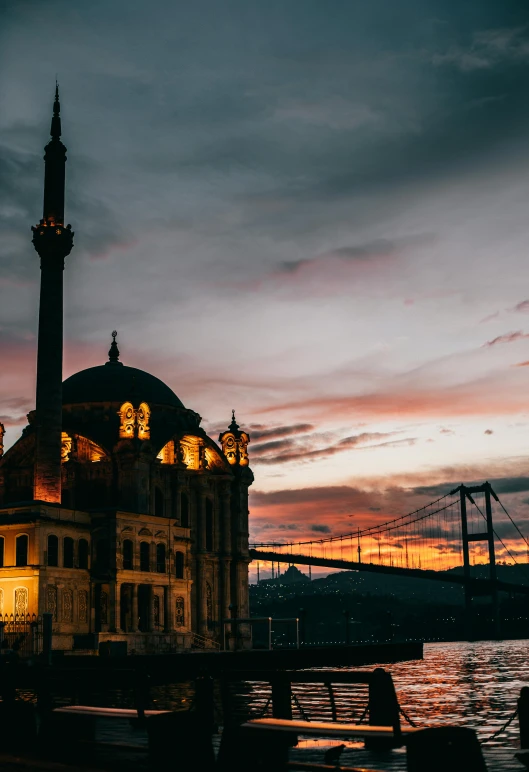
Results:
53 550
67 558
22 550
160 558
145 557
83 553
128 555
179 565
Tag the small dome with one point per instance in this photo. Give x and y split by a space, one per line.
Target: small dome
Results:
114 382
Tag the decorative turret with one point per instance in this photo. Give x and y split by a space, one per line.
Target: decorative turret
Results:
235 443
53 242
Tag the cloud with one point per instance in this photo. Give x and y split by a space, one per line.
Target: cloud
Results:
488 431
320 528
522 307
508 337
488 49
260 433
288 450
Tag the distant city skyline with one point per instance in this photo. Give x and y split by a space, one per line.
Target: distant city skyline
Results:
313 213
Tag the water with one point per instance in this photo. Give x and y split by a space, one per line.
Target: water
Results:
465 684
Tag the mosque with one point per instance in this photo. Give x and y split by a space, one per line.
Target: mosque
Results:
119 516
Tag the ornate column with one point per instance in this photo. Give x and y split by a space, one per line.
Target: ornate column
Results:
167 616
115 607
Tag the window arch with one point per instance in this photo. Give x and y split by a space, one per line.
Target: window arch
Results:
128 555
179 565
160 558
53 550
184 510
180 618
21 550
127 418
158 502
67 552
2 542
145 556
82 554
209 525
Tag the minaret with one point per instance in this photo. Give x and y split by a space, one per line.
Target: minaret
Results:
53 243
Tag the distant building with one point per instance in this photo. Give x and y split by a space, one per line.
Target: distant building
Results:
118 514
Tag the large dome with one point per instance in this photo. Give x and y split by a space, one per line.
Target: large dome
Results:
114 382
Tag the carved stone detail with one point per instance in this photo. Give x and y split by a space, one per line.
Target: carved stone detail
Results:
67 606
134 423
21 601
51 601
127 416
2 432
83 605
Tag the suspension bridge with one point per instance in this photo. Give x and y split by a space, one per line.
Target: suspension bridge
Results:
441 541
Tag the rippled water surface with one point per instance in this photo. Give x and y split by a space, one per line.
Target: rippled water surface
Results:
470 684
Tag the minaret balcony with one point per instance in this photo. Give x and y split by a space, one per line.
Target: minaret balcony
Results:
52 241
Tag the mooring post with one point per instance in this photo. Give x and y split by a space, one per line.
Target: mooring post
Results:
281 695
523 716
383 708
204 702
47 635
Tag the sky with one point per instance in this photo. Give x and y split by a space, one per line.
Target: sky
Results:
312 211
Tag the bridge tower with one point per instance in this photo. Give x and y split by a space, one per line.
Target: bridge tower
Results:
465 493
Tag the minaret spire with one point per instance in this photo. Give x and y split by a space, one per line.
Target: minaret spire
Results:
55 130
53 242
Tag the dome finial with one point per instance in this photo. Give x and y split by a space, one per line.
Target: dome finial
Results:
234 425
113 353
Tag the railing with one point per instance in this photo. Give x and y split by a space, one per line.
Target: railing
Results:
201 642
21 634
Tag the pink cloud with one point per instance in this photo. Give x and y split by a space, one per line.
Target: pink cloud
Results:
508 337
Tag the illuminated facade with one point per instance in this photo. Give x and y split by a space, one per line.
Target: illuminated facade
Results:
118 514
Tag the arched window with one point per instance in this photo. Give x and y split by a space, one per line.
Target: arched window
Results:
209 525
82 553
67 557
1 551
158 503
160 558
102 555
21 555
184 510
145 557
180 619
128 555
53 550
179 565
